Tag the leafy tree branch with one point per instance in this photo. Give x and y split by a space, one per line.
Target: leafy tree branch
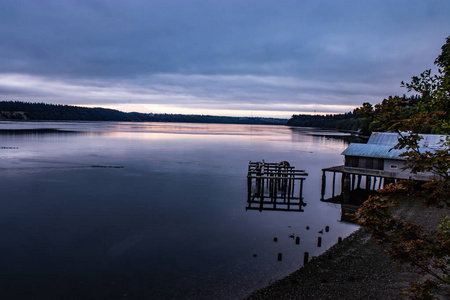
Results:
427 112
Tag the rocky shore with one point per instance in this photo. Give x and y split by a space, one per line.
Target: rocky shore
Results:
357 268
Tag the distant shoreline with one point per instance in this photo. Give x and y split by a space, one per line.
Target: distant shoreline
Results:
26 111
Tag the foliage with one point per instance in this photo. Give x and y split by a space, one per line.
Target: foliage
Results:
429 250
443 60
384 115
347 121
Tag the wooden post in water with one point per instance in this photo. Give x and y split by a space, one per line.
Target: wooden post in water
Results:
346 187
324 181
334 182
262 190
359 181
289 190
249 188
368 182
305 258
275 194
353 181
293 188
300 193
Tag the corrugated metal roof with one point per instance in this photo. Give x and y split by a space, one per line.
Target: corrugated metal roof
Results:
384 138
432 141
376 151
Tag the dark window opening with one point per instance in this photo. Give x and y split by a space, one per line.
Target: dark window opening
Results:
364 162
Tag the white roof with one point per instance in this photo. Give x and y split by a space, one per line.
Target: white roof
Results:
380 145
432 141
376 151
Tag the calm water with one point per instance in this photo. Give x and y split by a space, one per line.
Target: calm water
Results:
164 217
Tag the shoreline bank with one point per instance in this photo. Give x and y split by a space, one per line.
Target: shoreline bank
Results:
353 269
357 268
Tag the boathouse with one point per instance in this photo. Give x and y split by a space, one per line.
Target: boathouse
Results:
370 166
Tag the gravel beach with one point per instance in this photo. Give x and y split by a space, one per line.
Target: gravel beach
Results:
357 268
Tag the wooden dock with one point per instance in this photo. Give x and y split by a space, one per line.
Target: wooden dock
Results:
355 184
275 186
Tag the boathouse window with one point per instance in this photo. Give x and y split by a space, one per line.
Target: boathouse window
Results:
364 162
394 166
378 164
351 161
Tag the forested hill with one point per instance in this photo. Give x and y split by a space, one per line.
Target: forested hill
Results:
15 110
347 121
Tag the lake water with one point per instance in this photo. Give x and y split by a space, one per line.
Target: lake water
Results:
106 210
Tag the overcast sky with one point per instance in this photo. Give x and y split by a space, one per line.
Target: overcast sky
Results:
220 57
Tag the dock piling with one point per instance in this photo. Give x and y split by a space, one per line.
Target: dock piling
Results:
271 186
305 258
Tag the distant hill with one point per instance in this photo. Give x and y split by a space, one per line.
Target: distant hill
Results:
348 121
16 110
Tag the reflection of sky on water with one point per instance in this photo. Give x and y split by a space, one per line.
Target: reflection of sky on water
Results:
171 221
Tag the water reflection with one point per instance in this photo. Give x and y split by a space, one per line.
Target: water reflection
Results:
38 131
154 211
329 135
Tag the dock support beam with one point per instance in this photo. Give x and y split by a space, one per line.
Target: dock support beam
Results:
324 184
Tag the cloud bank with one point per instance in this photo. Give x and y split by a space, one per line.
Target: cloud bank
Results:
271 58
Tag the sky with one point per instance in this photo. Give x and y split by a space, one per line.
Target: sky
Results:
261 58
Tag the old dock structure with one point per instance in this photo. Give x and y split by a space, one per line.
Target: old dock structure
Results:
369 167
275 186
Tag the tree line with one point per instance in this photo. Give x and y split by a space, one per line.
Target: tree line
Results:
17 110
346 121
356 120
